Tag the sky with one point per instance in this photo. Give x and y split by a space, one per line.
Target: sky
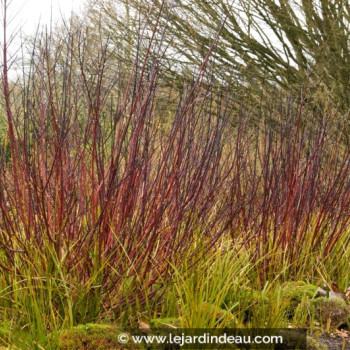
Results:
24 17
27 14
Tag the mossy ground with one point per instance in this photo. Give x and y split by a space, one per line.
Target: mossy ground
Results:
313 344
92 337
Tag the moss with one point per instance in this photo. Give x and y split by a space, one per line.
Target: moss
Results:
296 291
245 296
331 311
313 344
92 337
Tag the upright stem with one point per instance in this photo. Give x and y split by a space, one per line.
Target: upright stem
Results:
13 143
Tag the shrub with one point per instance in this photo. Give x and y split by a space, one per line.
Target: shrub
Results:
331 312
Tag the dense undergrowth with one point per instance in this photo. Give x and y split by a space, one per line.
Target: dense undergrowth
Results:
189 207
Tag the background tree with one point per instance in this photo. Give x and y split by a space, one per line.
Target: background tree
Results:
278 42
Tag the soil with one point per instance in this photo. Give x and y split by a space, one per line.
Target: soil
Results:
335 342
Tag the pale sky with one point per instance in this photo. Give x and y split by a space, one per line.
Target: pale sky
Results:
28 13
24 16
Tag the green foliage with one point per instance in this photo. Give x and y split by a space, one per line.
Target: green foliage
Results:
246 295
202 290
295 292
5 333
270 310
304 314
